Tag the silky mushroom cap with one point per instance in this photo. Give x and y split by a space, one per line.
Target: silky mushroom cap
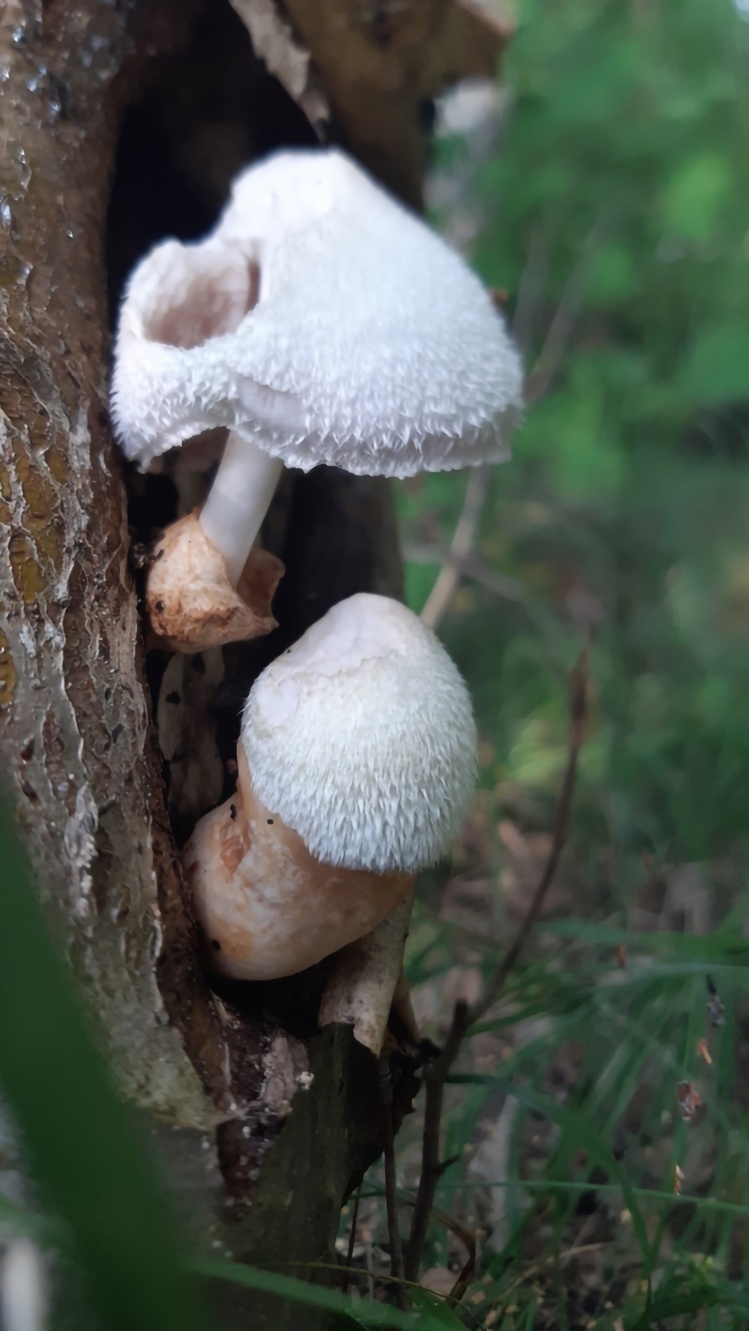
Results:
369 343
361 739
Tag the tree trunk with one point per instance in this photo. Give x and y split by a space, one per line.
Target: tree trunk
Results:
120 123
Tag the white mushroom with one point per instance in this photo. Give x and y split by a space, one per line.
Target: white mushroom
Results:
357 762
320 322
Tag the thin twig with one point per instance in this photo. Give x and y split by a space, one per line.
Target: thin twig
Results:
530 289
541 377
461 544
471 566
465 1015
468 1239
351 1241
391 1182
537 385
578 716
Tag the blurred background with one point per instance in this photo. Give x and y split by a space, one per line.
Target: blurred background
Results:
602 192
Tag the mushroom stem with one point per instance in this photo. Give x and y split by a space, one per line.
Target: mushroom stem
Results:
268 908
239 500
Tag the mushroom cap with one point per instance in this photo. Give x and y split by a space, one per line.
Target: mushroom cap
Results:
369 343
361 738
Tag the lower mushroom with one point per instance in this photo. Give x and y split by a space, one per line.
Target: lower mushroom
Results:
356 764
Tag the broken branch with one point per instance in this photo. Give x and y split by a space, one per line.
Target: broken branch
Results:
465 1015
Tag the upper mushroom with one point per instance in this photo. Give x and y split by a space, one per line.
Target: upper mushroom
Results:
320 322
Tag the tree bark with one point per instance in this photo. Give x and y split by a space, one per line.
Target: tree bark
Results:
119 123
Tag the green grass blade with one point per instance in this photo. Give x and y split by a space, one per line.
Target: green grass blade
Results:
580 1134
362 1312
84 1150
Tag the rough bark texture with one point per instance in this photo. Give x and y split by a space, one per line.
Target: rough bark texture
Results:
119 123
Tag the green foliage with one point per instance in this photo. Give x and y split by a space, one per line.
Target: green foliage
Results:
615 217
636 1033
619 199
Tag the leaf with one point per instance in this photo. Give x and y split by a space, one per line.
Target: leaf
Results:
84 1149
696 193
436 1314
361 1312
613 276
716 368
580 1134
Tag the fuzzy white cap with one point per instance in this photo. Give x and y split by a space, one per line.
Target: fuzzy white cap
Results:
372 345
361 738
